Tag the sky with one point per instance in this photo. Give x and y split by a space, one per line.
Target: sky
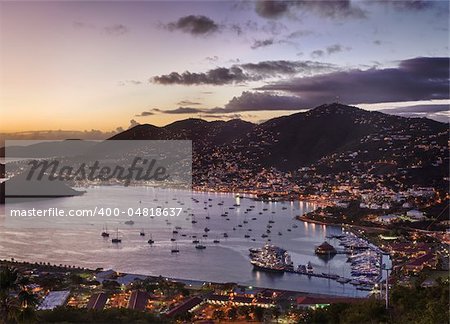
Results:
95 68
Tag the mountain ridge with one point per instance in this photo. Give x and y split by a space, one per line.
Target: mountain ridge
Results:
285 142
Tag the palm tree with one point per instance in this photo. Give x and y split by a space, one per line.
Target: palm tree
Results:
8 284
15 300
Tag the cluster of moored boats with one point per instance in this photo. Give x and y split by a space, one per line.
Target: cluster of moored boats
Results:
365 261
200 240
364 258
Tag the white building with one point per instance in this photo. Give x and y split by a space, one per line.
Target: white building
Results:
416 215
387 219
54 299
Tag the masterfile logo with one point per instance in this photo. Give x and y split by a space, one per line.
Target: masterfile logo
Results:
93 178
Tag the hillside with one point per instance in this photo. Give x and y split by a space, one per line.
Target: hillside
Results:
331 139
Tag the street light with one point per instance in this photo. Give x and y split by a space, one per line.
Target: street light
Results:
384 267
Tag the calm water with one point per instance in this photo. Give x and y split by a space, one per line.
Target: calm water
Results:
79 242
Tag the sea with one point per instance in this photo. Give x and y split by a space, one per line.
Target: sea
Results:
78 241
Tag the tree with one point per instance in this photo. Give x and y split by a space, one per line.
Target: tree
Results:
232 313
259 313
15 302
219 314
8 304
276 313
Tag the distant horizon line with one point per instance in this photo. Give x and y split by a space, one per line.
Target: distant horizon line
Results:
103 134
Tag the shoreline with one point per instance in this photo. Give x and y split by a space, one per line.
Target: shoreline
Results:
312 221
300 289
76 269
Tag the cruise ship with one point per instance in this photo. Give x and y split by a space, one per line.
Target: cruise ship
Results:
271 258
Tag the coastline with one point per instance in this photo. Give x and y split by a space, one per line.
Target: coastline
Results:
75 269
312 221
186 275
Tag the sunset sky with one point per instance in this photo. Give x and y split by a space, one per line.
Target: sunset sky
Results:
108 65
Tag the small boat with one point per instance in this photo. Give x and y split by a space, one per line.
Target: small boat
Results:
195 241
309 268
175 249
301 268
116 239
216 241
342 280
142 233
225 235
206 229
247 236
129 222
105 232
200 247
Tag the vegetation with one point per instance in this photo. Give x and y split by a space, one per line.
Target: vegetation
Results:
112 315
16 303
414 304
408 305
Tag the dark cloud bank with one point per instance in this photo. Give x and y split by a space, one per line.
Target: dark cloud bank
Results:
421 78
273 9
331 9
243 73
194 25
